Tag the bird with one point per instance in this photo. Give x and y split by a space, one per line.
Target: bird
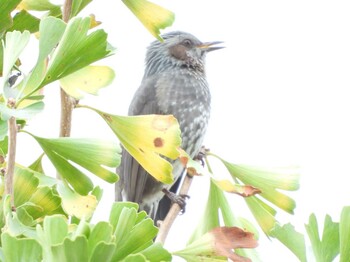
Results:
174 83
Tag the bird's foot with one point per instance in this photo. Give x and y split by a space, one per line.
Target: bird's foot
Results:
201 155
178 199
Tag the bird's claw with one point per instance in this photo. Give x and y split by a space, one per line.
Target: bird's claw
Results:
178 199
201 155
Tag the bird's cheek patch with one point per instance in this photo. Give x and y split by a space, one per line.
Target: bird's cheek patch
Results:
179 52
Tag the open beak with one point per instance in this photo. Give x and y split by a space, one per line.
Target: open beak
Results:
209 46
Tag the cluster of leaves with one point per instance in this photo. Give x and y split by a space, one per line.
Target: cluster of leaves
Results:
39 228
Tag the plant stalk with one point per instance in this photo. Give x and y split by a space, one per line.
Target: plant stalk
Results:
67 103
12 133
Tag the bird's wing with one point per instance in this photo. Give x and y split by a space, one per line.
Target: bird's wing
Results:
132 176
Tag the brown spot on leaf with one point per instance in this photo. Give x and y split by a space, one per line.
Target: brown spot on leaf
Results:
158 142
107 117
250 191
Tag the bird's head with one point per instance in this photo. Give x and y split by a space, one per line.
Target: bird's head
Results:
179 49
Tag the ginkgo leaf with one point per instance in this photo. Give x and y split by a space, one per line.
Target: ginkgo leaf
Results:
76 49
344 234
219 243
152 16
267 180
242 190
147 138
77 6
75 204
263 213
6 8
292 239
37 5
15 42
88 79
25 21
91 154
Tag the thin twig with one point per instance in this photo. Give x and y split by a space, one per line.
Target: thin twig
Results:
12 131
174 211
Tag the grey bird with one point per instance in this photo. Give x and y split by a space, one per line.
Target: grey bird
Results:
174 83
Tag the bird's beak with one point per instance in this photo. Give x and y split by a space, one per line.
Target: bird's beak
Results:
208 46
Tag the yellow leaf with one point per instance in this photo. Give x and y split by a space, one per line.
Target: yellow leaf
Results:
152 16
88 79
76 205
149 139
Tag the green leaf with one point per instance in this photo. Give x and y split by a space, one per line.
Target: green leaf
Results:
77 6
22 113
101 232
45 202
19 250
89 79
25 185
14 44
152 16
328 248
217 244
133 231
51 31
92 154
56 229
263 213
76 50
38 5
6 8
147 138
217 205
75 204
103 250
37 165
3 139
156 252
344 233
291 239
267 180
24 21
71 250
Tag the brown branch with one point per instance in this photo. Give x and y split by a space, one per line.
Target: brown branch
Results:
67 103
12 133
174 211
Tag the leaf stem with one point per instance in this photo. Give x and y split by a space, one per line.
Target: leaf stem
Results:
174 211
12 125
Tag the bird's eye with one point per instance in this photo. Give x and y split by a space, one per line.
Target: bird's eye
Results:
187 42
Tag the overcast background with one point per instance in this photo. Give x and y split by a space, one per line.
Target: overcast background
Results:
280 97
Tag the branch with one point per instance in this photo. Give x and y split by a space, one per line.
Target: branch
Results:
67 103
12 125
174 211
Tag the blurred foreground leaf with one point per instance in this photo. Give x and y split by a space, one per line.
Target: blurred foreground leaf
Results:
152 16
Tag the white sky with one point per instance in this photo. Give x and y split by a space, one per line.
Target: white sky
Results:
280 97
